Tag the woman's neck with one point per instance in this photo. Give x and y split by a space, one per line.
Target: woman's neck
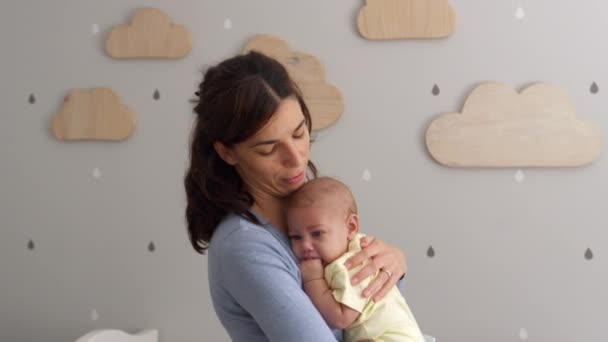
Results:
272 209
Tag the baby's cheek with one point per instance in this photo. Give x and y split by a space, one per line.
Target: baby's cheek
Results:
296 251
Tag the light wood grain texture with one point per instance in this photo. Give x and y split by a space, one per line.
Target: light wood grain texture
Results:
406 19
112 335
149 35
500 128
93 114
323 99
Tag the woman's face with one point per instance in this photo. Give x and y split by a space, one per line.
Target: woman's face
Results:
274 160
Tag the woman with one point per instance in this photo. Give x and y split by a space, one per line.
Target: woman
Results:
249 151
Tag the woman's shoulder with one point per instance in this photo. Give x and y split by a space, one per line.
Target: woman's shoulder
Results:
237 232
237 241
234 226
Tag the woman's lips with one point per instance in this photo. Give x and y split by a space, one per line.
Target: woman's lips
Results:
296 179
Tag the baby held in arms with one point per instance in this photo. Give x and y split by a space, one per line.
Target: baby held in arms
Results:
324 232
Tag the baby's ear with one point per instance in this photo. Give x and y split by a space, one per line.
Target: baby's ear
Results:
352 225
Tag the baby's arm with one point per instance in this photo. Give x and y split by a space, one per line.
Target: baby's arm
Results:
336 314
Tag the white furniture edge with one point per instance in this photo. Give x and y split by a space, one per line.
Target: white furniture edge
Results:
113 335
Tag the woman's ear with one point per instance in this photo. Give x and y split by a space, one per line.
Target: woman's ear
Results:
225 153
352 225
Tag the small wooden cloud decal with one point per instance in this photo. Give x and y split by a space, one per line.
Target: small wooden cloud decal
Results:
500 128
323 100
95 114
149 35
402 19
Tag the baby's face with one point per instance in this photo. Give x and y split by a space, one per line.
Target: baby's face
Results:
318 233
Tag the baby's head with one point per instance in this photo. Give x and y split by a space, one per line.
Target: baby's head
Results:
322 219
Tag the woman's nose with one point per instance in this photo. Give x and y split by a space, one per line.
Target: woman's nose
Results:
292 156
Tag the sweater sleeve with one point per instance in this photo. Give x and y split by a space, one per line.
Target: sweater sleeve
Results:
264 282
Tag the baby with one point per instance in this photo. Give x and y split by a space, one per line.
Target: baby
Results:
324 232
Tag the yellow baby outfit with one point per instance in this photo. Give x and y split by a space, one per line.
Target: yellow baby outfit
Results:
388 320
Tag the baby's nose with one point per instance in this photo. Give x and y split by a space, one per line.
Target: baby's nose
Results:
307 246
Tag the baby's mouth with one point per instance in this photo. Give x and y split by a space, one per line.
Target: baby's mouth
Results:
313 257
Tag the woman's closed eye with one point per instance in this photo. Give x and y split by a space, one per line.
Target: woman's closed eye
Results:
268 151
299 134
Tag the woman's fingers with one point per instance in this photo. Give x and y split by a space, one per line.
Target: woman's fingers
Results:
368 270
382 282
366 241
388 285
377 259
365 253
395 268
381 256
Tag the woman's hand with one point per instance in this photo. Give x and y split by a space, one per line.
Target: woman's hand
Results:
385 257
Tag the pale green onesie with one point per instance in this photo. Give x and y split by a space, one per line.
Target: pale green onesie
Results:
389 319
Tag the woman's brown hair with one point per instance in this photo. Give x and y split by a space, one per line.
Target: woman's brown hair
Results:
235 99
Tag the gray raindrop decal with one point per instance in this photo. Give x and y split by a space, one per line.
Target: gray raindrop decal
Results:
588 254
435 90
594 88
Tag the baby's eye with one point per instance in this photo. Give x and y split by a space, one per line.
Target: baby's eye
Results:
317 233
295 237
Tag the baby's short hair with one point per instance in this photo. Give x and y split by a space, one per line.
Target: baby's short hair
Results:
323 191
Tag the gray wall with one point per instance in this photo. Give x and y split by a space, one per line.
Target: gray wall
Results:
510 255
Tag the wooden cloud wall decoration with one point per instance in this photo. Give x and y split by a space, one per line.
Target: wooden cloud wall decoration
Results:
500 128
323 99
150 34
403 19
93 114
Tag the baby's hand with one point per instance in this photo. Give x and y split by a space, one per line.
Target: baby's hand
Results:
311 269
